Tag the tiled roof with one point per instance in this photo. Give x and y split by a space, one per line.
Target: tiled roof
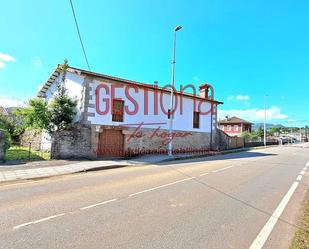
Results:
234 120
78 71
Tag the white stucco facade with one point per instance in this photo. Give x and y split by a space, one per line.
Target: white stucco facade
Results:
146 109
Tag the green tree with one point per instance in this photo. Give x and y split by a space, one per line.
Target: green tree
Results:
7 139
58 115
259 133
36 115
62 107
246 135
273 131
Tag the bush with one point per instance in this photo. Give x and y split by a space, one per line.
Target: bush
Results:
7 139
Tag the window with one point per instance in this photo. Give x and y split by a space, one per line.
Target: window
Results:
229 128
196 120
117 111
169 113
236 127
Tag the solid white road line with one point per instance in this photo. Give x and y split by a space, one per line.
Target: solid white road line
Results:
299 177
207 173
267 229
162 186
38 221
98 204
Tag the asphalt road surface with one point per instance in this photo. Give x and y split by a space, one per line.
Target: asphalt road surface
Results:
241 200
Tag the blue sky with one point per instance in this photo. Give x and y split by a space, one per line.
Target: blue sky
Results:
244 48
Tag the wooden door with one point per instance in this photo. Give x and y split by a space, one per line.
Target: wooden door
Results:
110 143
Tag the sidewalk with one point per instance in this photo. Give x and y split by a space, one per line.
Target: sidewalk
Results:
15 172
40 172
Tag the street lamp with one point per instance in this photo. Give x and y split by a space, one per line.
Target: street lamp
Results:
265 116
170 145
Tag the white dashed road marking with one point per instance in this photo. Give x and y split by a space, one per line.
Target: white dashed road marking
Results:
98 204
38 221
218 170
162 186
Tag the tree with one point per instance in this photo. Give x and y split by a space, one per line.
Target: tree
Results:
13 124
58 115
62 107
272 131
62 112
246 135
36 115
259 133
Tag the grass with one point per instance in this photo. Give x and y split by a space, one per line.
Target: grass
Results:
301 237
22 153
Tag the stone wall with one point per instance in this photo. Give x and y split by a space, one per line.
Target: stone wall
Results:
226 142
33 137
2 142
82 141
158 140
73 144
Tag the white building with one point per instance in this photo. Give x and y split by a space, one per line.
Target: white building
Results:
120 116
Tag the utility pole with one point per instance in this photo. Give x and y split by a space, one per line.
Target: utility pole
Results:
171 114
265 116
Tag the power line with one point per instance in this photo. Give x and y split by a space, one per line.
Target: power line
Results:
79 35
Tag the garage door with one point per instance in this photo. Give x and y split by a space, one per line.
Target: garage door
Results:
110 143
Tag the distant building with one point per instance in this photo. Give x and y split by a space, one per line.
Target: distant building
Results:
235 126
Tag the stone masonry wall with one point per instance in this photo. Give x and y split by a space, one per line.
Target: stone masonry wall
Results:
31 136
157 140
2 142
226 142
74 143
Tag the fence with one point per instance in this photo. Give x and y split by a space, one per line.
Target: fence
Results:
28 153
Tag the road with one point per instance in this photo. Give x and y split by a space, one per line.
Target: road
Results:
241 200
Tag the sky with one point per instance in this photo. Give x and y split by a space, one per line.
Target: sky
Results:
245 49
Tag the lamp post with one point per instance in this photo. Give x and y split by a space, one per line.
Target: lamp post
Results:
171 116
265 116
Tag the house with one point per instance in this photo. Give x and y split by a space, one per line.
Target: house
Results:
235 126
117 116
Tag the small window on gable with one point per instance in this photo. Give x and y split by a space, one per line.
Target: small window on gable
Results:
118 110
196 120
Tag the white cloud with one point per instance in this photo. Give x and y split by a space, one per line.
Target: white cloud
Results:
254 114
242 97
6 57
2 64
239 97
37 62
9 101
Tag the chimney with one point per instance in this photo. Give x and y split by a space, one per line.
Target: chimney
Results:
204 91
